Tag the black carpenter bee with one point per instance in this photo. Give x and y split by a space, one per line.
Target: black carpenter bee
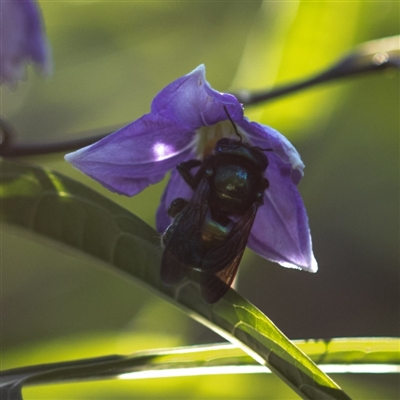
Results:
209 233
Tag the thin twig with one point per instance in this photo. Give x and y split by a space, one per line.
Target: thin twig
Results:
374 56
10 149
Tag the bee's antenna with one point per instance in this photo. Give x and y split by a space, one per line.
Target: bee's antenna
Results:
233 124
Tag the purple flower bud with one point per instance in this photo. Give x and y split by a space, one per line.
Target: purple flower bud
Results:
22 39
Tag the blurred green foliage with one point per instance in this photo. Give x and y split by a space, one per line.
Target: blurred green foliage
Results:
110 59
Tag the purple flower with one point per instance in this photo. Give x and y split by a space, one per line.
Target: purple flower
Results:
187 118
22 39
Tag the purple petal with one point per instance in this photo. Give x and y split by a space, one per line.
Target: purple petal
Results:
191 101
22 39
136 156
176 187
280 232
266 137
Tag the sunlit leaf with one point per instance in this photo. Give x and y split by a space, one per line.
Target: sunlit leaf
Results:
353 350
203 360
67 212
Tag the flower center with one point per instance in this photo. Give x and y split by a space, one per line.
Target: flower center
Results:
208 136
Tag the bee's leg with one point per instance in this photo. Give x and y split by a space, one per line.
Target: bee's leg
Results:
184 170
176 206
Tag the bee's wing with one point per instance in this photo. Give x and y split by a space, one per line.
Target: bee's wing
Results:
184 248
221 263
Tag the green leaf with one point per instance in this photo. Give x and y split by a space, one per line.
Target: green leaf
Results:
198 360
353 350
65 211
